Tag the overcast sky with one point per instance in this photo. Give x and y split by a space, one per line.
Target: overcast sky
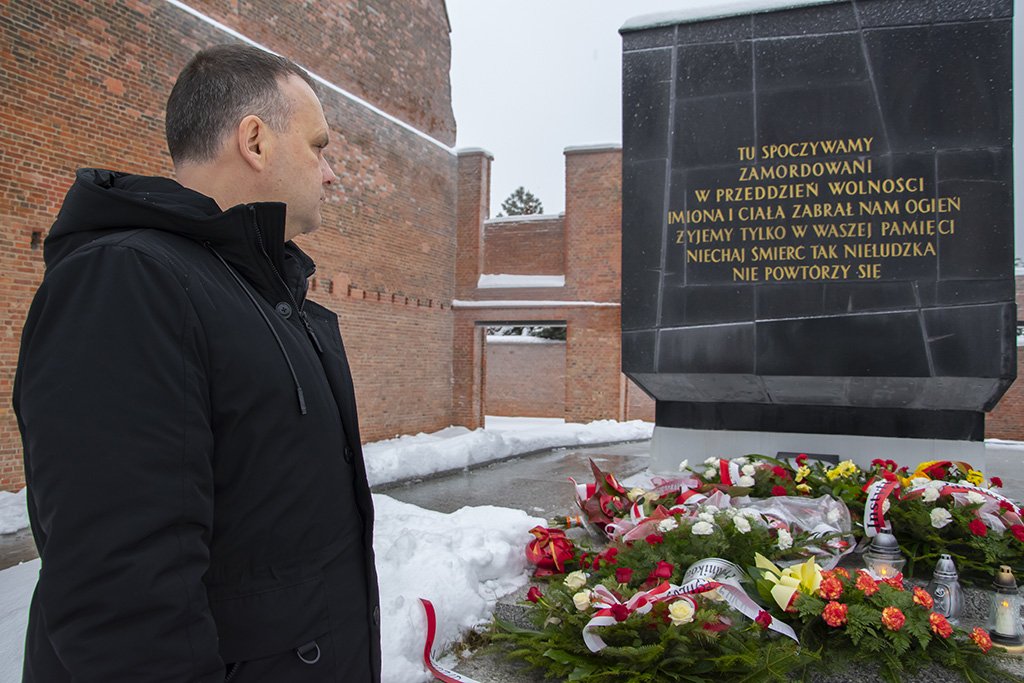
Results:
532 77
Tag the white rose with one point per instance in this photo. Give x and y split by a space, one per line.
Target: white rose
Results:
974 497
684 465
941 517
710 473
576 580
711 461
745 481
681 612
702 528
930 495
667 524
710 509
635 493
785 540
582 600
705 517
742 525
751 513
748 470
740 461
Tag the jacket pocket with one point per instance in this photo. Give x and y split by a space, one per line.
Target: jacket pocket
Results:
270 621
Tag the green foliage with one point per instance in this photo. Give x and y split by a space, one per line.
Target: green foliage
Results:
521 202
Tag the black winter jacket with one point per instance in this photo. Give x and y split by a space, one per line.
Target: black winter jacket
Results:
196 485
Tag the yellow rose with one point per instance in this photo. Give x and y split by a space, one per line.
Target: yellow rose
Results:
576 580
681 612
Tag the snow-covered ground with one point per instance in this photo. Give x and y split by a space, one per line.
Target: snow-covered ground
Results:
462 562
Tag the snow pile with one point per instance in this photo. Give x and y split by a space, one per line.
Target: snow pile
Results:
462 563
500 280
13 511
408 457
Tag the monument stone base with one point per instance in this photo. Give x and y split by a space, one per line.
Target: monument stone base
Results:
672 445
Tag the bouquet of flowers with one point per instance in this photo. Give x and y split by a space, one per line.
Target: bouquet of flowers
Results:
857 618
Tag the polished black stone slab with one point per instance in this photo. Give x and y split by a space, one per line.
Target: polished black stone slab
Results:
818 214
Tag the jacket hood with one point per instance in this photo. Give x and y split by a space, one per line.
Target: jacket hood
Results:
101 202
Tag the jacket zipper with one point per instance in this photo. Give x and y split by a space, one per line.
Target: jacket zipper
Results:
232 671
295 304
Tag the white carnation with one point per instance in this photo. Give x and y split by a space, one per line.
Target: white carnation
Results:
742 525
684 465
785 540
710 473
667 524
703 528
706 517
712 509
745 481
941 517
740 460
974 497
711 461
748 470
930 495
919 481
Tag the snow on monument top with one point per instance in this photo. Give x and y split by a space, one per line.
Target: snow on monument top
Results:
704 10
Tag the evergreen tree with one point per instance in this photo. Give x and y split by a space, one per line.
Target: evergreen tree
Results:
521 202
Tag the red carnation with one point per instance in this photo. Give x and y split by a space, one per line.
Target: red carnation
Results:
978 527
655 539
1006 507
923 598
764 620
620 612
893 619
831 588
780 472
878 462
997 482
888 476
778 490
801 459
940 625
1018 532
534 594
623 574
834 614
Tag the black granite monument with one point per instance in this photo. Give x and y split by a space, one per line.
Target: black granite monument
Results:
818 217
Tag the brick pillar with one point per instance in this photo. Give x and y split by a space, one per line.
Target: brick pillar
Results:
472 209
467 372
593 268
473 206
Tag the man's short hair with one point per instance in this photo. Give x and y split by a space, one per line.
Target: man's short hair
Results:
218 88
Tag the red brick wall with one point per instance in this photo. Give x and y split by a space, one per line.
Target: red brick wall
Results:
639 406
525 379
84 84
534 246
1006 421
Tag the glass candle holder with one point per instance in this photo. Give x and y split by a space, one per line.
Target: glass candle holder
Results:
883 558
1004 614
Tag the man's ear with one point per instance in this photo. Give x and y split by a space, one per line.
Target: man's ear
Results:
252 139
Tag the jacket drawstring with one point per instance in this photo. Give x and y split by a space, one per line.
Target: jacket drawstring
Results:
270 326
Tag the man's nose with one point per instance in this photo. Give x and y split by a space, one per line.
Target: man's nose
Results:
328 173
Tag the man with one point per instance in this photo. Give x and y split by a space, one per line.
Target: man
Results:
197 490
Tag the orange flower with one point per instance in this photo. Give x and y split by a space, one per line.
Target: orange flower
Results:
981 638
923 598
895 581
831 588
840 571
834 614
940 625
893 619
865 583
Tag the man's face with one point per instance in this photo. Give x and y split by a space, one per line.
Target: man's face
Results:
298 173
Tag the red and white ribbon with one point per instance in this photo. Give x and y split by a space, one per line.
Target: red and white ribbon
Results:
729 472
440 673
874 507
604 600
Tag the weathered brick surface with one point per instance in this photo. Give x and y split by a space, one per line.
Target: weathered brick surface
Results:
84 84
534 246
525 379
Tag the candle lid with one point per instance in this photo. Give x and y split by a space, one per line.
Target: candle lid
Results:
1004 580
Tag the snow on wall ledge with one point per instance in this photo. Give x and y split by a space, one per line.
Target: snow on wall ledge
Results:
517 281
